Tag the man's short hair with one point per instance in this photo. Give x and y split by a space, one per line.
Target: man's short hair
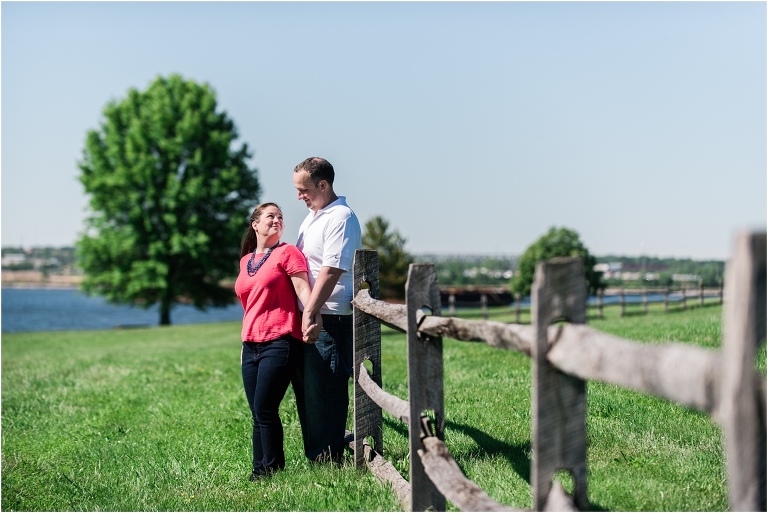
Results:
318 169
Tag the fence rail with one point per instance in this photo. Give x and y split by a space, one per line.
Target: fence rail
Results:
608 298
722 383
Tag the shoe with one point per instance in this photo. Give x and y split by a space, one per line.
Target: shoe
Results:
257 475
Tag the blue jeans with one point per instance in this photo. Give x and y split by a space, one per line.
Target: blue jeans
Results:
320 385
267 368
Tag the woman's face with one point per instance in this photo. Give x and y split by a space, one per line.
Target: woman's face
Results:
270 224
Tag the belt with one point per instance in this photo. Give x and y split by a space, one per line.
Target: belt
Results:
337 318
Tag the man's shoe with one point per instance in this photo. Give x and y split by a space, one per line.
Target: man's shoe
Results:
257 475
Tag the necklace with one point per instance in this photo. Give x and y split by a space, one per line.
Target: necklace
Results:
252 269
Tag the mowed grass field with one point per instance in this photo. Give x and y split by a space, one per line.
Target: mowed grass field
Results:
156 419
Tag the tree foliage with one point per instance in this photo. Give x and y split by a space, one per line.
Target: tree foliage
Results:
393 259
169 196
554 243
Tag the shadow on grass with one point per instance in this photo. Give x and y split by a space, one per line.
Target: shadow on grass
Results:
397 425
516 454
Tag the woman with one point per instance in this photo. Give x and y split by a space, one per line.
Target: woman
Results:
271 277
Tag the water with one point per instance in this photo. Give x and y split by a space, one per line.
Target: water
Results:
638 298
65 309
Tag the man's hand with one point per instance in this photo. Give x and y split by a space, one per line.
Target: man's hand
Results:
310 327
324 283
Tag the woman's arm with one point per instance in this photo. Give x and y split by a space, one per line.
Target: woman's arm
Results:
304 292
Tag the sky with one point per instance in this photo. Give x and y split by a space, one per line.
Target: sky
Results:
471 127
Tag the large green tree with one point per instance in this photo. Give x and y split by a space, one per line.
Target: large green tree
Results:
169 195
393 259
555 243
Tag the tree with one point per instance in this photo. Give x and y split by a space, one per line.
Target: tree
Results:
393 259
170 196
554 243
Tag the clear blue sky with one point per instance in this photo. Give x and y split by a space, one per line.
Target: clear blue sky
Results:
472 127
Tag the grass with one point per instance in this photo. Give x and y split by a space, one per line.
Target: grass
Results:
149 419
156 419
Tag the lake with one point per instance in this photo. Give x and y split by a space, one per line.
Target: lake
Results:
67 309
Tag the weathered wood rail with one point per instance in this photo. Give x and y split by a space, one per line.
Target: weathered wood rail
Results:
722 383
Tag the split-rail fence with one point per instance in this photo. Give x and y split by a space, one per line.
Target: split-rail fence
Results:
723 382
668 294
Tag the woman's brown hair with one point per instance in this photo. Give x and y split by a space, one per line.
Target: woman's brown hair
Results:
249 237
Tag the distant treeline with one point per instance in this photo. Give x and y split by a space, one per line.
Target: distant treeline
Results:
647 271
49 259
471 269
662 271
455 269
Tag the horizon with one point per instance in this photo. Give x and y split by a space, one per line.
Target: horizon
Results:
500 256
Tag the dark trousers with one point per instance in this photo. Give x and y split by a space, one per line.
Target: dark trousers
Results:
320 384
267 368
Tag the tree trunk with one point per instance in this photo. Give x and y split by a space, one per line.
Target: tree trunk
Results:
165 313
168 296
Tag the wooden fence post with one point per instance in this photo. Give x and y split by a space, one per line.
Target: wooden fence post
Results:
484 306
425 381
367 346
645 300
517 308
684 304
621 301
666 299
599 303
720 293
559 407
452 304
742 408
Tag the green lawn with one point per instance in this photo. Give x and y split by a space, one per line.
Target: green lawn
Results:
156 419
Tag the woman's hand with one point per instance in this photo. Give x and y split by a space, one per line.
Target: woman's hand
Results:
311 327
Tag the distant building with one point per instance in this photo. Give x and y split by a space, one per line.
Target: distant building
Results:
14 259
476 260
609 270
498 274
686 277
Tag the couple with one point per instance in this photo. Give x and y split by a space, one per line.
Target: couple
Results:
312 350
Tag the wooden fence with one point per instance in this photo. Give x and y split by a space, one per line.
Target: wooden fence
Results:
722 383
684 292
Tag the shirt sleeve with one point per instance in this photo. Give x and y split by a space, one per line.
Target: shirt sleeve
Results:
339 245
294 261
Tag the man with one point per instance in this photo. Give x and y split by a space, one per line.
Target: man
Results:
328 237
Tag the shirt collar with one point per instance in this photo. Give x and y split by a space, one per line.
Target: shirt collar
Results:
339 202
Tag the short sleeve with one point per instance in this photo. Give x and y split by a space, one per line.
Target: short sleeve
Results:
294 260
337 250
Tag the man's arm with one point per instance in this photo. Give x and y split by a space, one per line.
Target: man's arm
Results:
324 284
301 286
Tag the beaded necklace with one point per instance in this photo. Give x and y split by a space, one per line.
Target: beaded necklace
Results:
252 269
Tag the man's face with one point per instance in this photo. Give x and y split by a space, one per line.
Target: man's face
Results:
314 196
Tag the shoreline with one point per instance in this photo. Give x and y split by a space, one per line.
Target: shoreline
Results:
36 280
40 286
